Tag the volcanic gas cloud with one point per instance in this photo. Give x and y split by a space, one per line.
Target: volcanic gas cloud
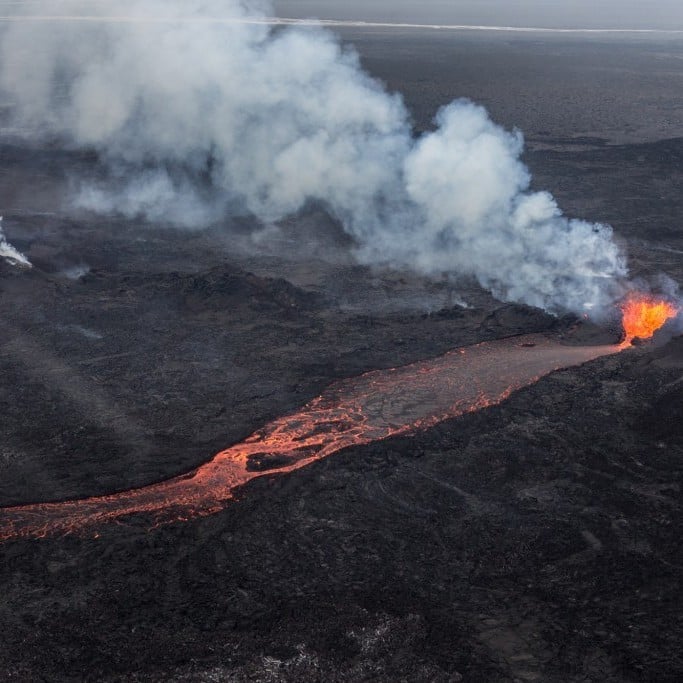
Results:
10 253
198 111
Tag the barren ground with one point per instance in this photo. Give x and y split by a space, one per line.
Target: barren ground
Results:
533 541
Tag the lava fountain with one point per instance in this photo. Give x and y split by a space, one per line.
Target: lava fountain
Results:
643 315
356 411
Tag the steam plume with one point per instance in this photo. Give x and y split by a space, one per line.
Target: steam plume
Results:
196 117
10 253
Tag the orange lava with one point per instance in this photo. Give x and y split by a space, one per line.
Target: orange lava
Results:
643 315
352 412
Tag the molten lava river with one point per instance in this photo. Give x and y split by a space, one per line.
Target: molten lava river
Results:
352 412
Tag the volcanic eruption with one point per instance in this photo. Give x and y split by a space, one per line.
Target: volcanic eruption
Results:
208 115
644 314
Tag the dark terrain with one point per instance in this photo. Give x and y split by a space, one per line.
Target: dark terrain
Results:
533 541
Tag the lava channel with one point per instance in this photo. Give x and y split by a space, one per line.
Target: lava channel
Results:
352 412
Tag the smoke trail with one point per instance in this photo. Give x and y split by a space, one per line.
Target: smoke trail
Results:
10 253
197 113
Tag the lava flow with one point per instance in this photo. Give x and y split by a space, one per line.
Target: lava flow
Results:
643 315
352 412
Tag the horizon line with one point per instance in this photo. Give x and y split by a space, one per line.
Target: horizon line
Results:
338 23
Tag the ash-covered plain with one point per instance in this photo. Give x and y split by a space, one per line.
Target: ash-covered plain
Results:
536 540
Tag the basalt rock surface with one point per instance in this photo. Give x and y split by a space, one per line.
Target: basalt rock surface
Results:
537 540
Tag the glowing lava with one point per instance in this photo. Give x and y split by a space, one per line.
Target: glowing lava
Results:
356 411
643 315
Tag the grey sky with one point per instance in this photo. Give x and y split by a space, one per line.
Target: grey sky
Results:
619 14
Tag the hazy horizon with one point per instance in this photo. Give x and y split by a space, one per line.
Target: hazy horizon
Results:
580 14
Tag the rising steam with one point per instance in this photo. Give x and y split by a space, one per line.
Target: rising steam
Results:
9 253
196 117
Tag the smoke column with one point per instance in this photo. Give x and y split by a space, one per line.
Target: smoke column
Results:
198 113
9 253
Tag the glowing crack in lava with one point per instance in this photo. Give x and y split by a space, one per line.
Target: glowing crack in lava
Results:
352 412
643 315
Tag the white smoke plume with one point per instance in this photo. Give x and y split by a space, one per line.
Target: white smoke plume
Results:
10 253
198 112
